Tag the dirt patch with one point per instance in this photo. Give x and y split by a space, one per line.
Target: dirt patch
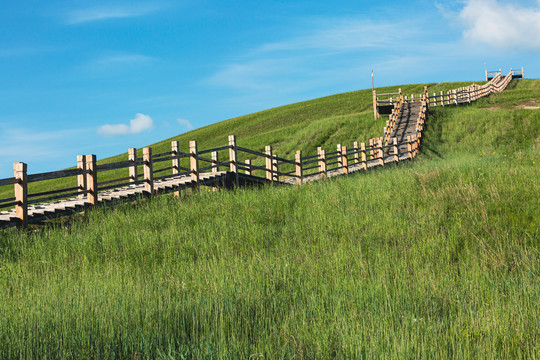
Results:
531 104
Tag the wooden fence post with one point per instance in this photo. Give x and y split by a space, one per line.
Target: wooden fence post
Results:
299 172
371 151
275 169
215 161
356 154
380 150
175 150
81 178
269 167
133 172
395 149
409 147
194 164
248 167
91 179
322 161
21 193
364 157
233 157
426 94
374 98
148 171
339 156
344 160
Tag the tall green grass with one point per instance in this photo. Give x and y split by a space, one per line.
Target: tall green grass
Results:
436 258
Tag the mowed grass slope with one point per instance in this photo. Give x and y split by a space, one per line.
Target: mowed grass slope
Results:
436 258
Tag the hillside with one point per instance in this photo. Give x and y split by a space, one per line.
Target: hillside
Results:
325 122
435 258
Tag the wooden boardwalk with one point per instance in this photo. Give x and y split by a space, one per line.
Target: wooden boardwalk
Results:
40 212
401 141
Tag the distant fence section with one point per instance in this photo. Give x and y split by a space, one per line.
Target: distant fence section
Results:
385 103
228 166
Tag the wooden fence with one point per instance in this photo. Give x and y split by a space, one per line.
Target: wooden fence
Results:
462 95
274 168
257 166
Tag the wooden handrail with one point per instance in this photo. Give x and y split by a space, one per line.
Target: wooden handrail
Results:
54 175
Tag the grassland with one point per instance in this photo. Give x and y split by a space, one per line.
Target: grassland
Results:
436 258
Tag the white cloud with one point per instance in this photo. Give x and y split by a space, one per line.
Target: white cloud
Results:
502 25
139 124
186 123
86 15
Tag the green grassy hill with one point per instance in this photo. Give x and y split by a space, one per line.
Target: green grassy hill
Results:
435 258
325 122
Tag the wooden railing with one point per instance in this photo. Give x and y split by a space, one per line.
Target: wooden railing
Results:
263 165
390 124
457 96
470 93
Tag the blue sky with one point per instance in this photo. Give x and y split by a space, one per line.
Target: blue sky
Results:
81 77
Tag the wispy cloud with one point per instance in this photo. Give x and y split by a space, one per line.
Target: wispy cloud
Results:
23 51
345 35
502 25
33 146
114 62
122 59
323 52
253 74
185 123
141 123
101 13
